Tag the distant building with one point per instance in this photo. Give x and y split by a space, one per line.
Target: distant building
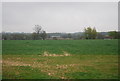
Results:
56 37
108 37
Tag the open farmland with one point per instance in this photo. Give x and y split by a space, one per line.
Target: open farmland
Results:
60 59
59 46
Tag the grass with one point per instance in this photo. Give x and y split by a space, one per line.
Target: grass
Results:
58 46
38 59
23 72
66 67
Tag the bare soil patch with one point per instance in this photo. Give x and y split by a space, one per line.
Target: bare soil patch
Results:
56 55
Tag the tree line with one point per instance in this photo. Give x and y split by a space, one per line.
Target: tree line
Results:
40 34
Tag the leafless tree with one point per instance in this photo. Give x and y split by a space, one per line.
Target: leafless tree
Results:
39 33
37 29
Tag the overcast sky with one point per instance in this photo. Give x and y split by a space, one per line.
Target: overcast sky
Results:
59 17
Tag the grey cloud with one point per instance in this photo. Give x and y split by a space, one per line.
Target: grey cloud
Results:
59 17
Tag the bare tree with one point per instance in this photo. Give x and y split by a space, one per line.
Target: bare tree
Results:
39 33
37 29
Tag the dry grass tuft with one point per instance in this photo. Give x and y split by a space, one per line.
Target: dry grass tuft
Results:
56 55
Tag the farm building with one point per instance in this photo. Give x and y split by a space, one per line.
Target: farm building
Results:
56 37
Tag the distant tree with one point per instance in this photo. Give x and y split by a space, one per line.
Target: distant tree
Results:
90 33
39 33
43 35
34 36
114 34
69 35
100 36
37 29
118 34
94 33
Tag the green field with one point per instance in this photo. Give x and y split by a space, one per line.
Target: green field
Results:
60 59
59 46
